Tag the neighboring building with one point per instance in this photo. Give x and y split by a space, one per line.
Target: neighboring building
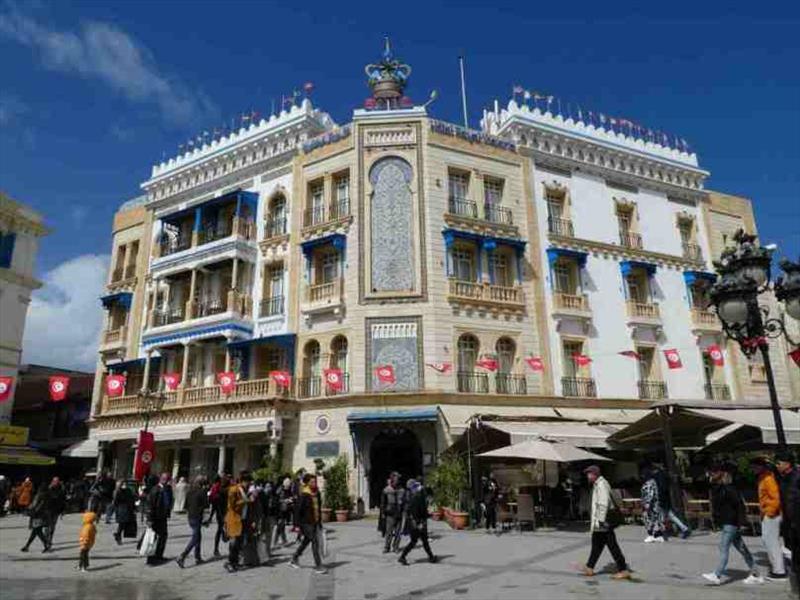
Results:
56 428
20 230
299 245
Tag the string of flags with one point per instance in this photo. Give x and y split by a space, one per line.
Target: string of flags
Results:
553 105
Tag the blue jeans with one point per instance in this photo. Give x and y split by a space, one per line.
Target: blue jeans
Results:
731 536
197 537
676 520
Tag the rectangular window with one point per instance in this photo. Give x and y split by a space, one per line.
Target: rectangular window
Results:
327 267
646 363
7 248
458 186
492 191
562 278
571 349
463 264
625 220
501 274
637 289
342 189
555 208
274 280
685 230
317 208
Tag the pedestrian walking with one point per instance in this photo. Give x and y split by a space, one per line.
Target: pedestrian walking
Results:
86 539
309 520
491 493
158 508
196 503
24 495
5 490
270 512
789 482
124 505
417 522
181 488
652 514
285 510
665 501
234 525
392 504
37 520
728 512
605 516
769 504
218 497
56 505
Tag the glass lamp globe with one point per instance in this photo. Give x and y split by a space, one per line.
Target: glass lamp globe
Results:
793 306
733 310
755 272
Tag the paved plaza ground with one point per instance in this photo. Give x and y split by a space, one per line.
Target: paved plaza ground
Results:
474 565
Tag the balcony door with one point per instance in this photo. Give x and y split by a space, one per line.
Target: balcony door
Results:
646 364
327 266
463 264
564 279
570 349
500 269
637 288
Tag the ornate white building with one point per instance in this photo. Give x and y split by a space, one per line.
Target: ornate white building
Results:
461 259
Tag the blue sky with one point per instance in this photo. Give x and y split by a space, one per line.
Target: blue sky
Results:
94 93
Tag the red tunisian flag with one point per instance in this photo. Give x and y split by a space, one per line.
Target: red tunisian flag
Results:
715 354
283 379
630 354
535 363
581 359
334 379
488 362
145 453
795 356
385 374
59 384
227 381
6 383
115 385
673 359
441 367
172 381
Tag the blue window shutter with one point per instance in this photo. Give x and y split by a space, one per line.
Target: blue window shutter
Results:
7 249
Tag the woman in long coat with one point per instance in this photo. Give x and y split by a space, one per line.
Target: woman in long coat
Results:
237 500
652 513
125 510
25 494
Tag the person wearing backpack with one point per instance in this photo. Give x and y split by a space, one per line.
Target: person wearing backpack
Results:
605 517
728 512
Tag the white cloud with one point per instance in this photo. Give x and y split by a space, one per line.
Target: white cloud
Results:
65 317
103 51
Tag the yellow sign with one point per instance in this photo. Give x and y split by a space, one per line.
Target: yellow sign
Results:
13 436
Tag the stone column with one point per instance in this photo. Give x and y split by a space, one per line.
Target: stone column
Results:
146 377
233 294
227 354
176 462
190 305
185 365
221 459
101 457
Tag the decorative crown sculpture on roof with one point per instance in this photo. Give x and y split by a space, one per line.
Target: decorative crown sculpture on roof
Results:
387 79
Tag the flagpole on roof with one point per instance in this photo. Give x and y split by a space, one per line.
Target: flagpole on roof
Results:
463 92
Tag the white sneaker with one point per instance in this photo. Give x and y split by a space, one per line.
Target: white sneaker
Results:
712 577
649 539
753 579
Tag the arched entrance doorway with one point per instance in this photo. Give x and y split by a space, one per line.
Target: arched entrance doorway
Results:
395 449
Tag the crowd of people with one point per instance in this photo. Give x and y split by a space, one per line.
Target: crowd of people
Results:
253 516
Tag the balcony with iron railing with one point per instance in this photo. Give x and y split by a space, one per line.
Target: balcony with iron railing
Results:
314 387
578 387
275 227
472 383
560 226
271 306
717 391
168 316
692 252
318 216
462 208
207 307
629 239
473 292
506 383
652 390
174 244
498 214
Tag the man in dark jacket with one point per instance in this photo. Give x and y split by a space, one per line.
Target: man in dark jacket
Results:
392 506
789 482
664 484
124 504
309 519
491 493
196 504
158 508
56 503
418 522
270 511
729 513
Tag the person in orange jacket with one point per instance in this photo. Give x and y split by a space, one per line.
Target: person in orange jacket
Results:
86 539
769 503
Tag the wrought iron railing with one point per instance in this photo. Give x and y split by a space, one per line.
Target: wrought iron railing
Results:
505 383
462 208
472 382
171 245
560 226
692 252
581 387
652 390
628 239
717 391
498 214
272 306
274 227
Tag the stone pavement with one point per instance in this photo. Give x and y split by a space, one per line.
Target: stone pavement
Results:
474 566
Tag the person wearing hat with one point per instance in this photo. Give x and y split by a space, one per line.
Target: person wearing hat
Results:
418 521
789 481
602 531
729 513
769 503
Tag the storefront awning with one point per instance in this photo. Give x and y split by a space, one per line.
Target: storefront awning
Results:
169 433
427 413
553 254
284 341
24 455
603 415
233 427
122 298
626 266
83 449
571 432
112 435
458 416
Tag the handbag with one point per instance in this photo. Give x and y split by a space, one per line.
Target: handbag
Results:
131 530
614 516
148 547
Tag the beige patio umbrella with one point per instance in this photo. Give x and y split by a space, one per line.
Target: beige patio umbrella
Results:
543 449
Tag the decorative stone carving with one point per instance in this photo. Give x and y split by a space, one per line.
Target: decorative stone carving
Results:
392 226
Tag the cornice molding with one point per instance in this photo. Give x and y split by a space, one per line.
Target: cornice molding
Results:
19 279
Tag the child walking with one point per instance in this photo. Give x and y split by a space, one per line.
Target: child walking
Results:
86 539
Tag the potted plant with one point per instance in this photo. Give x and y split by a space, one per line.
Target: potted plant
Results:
448 481
337 497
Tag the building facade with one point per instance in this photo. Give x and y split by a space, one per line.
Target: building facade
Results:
20 230
476 265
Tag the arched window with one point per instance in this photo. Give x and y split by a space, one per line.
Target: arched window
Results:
339 353
468 347
276 215
506 350
311 362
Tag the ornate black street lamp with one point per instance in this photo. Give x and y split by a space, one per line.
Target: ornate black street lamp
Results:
149 403
744 275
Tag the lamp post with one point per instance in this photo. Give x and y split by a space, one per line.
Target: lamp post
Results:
149 404
744 275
